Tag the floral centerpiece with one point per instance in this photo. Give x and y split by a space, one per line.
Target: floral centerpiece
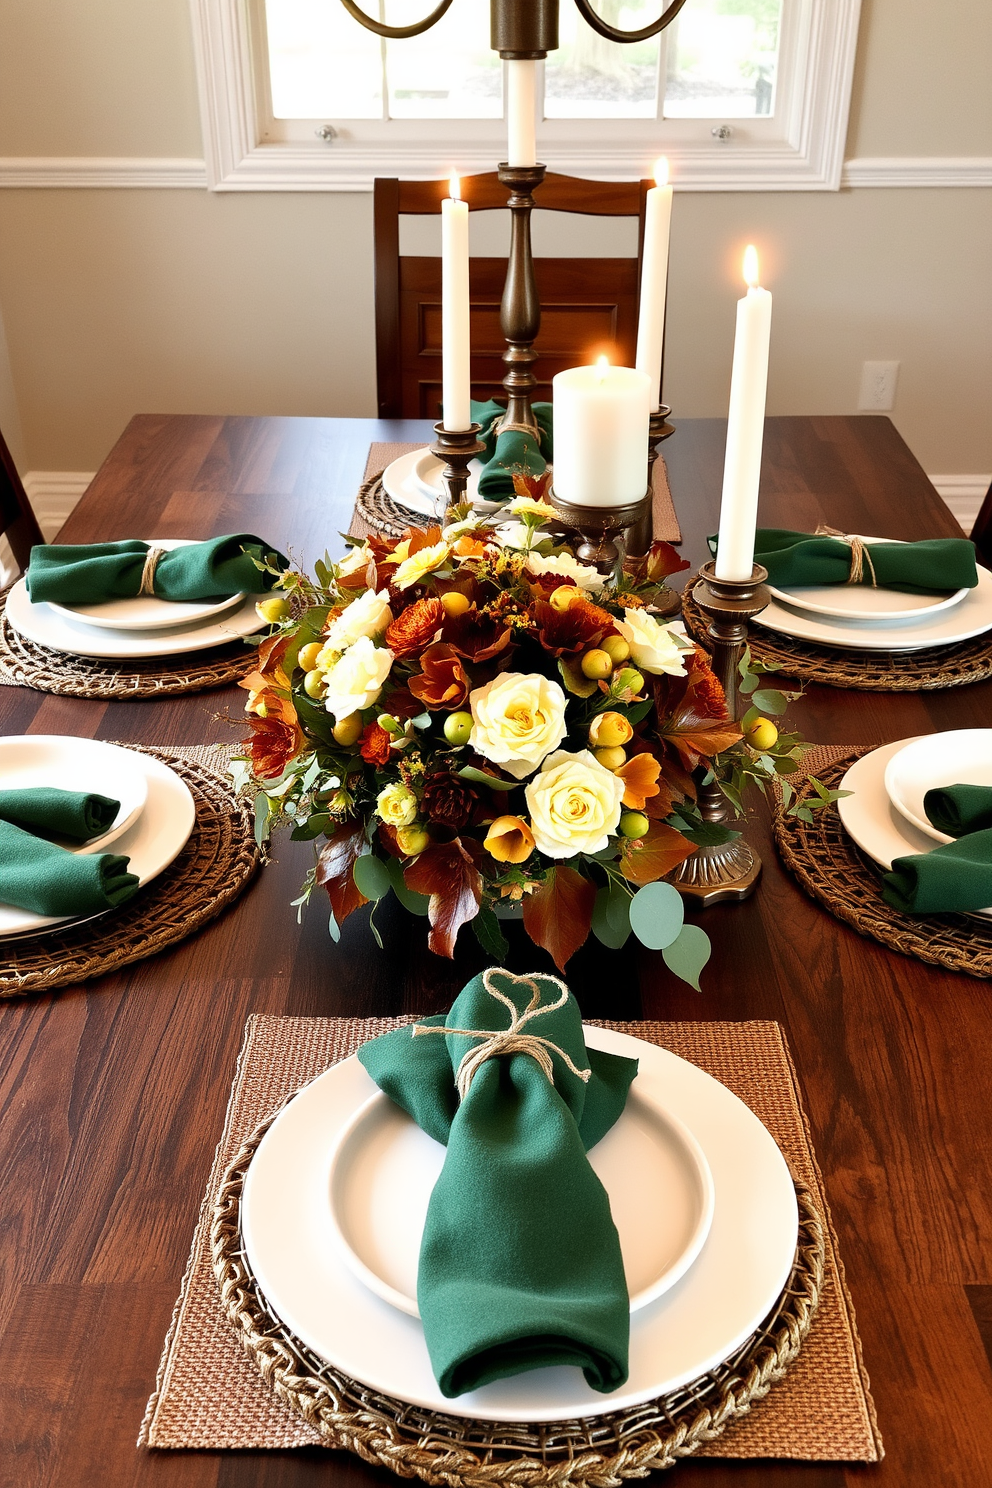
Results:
471 718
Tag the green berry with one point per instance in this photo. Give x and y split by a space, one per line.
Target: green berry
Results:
458 727
634 824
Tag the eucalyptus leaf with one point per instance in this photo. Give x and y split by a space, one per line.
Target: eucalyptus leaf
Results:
657 915
479 777
314 825
371 876
333 928
611 917
416 903
770 700
688 954
263 815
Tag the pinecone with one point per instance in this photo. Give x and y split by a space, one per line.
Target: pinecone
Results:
448 801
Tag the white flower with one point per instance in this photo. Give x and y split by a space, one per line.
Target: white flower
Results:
586 577
355 559
653 647
526 506
355 680
424 561
455 530
517 720
367 616
574 804
513 535
397 804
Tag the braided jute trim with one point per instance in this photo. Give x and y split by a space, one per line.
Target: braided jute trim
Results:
501 425
860 556
455 1452
148 572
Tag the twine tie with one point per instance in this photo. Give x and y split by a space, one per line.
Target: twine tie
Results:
510 1040
501 425
860 556
148 572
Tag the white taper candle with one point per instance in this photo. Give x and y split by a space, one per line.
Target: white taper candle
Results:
745 428
654 280
455 345
521 112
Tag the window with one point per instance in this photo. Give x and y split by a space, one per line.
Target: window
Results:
740 94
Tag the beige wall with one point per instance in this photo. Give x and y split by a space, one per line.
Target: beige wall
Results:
119 301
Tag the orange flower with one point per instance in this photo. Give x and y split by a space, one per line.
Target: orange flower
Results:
468 546
267 675
640 780
444 682
375 744
275 739
509 840
414 627
566 632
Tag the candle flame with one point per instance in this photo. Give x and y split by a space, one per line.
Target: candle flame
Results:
751 274
602 366
455 187
661 171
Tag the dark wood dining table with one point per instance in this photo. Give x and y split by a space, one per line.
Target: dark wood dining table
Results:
113 1092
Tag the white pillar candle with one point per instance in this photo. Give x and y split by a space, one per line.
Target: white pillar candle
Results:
456 378
601 435
521 112
654 280
745 428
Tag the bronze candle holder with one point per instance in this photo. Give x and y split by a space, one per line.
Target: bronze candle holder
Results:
598 527
732 869
457 448
520 309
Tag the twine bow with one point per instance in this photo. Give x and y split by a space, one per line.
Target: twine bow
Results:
510 1040
148 572
860 556
501 425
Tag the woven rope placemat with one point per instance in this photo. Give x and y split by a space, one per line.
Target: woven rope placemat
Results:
865 671
375 511
216 865
209 1394
835 872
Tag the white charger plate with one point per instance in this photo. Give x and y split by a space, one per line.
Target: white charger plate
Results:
972 617
414 480
862 602
146 612
735 1281
959 757
43 624
384 1168
73 764
151 842
869 817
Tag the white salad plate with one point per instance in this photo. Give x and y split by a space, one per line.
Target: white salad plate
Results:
146 612
151 842
862 602
45 625
959 757
869 817
414 480
972 617
88 765
734 1282
384 1168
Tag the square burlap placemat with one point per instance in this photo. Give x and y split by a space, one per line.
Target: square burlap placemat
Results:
209 1395
666 523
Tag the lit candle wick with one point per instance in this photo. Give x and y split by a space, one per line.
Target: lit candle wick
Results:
455 187
661 171
752 276
602 366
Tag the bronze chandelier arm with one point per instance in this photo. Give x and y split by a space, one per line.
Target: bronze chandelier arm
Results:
613 34
397 33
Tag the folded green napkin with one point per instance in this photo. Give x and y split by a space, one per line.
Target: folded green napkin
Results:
954 877
39 876
90 573
515 452
77 815
797 558
958 809
520 1263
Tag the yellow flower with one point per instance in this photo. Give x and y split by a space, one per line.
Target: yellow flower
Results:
574 805
566 567
423 562
509 840
397 805
517 719
526 506
355 680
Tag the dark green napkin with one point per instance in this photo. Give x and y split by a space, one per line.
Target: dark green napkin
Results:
90 573
39 876
797 558
958 809
520 1264
515 452
77 815
954 877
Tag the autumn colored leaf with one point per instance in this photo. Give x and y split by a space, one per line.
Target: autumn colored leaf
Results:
662 561
537 487
692 712
448 874
334 870
558 915
651 857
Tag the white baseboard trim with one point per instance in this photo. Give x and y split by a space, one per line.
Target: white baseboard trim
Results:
53 494
964 495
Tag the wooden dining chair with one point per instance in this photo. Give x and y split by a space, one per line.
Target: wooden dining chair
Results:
981 533
588 305
18 523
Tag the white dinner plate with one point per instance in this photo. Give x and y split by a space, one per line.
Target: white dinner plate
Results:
383 1169
73 764
869 817
151 842
735 1281
414 480
972 617
146 612
43 624
959 757
862 602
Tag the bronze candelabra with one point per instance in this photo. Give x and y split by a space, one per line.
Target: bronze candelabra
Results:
457 448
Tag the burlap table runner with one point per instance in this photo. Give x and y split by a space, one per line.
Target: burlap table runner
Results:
666 523
209 1395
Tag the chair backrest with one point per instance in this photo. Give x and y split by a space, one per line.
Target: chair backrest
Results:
981 533
17 521
588 305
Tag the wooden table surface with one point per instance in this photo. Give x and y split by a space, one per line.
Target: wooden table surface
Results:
113 1093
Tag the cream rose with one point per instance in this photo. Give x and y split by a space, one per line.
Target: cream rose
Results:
367 616
419 564
397 804
355 680
517 720
574 804
653 646
567 567
355 559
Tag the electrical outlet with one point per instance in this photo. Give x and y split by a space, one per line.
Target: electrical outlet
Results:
878 386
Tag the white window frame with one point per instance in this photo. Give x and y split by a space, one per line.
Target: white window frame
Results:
800 148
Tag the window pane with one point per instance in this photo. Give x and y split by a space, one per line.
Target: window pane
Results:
591 78
323 65
449 72
722 59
